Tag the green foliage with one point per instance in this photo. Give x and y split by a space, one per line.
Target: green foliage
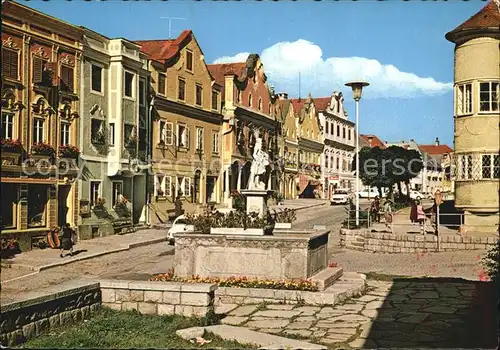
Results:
285 216
111 329
238 219
350 222
491 262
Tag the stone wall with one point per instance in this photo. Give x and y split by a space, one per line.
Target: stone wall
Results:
364 240
21 321
159 298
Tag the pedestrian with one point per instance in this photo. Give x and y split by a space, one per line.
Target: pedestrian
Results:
67 239
413 212
375 209
178 206
388 213
420 215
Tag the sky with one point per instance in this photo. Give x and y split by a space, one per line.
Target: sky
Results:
397 46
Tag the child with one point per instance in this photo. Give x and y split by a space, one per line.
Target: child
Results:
420 216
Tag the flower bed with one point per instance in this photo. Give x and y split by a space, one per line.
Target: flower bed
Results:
240 282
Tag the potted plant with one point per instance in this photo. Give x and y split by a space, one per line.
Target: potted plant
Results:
285 218
99 203
42 149
11 151
69 151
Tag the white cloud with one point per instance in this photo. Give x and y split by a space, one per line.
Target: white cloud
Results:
284 60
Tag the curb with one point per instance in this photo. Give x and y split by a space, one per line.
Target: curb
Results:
304 207
86 257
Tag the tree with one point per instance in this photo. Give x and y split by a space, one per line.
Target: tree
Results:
407 164
371 171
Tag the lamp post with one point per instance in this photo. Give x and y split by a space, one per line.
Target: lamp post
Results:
357 88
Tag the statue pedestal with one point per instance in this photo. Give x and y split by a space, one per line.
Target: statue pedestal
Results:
257 201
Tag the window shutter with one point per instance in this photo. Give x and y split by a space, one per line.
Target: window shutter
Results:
169 130
67 77
187 137
38 65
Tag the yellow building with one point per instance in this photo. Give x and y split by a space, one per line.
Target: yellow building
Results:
476 112
186 129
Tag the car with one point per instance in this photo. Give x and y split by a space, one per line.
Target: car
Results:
416 195
179 225
340 196
370 193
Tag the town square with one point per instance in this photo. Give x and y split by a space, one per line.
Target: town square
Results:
257 174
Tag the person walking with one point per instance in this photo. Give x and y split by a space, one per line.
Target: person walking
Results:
178 206
413 212
67 239
388 213
375 210
420 216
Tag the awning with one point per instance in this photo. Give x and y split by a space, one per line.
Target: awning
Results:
305 180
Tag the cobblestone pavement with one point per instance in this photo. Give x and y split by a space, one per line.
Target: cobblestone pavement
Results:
414 313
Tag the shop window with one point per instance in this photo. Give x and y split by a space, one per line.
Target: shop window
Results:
9 206
37 205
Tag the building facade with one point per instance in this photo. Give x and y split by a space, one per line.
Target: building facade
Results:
114 135
477 116
310 144
339 140
249 107
40 123
186 138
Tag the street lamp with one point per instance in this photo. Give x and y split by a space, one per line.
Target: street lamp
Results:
357 89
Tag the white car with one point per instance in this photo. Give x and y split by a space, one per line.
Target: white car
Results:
340 196
370 193
179 225
416 195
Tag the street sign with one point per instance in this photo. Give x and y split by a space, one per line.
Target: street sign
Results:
438 197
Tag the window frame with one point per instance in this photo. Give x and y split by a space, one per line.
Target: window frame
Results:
215 94
162 76
72 76
188 184
179 81
36 132
101 83
461 101
91 192
491 96
189 54
12 126
16 52
64 125
113 198
132 90
198 88
215 142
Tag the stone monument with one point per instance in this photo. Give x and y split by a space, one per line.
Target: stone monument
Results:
256 193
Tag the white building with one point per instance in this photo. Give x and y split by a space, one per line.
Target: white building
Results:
339 140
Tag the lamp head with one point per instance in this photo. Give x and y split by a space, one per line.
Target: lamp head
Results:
357 88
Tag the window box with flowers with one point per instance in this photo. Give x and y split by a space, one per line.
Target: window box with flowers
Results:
99 203
43 154
11 151
68 151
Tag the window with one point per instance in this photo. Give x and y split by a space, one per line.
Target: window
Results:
167 185
37 205
490 166
199 94
260 104
199 138
183 136
67 78
469 167
10 64
337 161
349 135
97 135
215 100
142 92
332 132
181 93
111 134
238 98
343 132
189 60
129 83
186 186
7 125
166 132
489 95
95 192
38 130
8 207
96 78
162 83
117 193
496 166
250 100
65 131
338 130
464 99
486 166
38 68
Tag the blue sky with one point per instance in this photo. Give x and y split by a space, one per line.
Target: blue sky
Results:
397 46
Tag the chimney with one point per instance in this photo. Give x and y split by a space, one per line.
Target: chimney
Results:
283 96
437 142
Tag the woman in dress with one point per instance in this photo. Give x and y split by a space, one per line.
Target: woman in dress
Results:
66 235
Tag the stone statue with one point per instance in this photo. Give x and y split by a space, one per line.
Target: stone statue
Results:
259 163
337 103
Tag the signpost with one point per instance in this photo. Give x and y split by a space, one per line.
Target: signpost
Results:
437 199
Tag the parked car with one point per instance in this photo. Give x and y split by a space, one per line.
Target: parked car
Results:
340 196
179 225
416 195
370 193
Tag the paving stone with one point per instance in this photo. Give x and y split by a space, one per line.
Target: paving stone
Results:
300 332
305 319
376 304
330 325
330 314
271 330
336 338
277 313
370 313
336 331
437 309
318 334
350 307
270 323
225 308
367 298
365 330
425 295
299 325
279 307
308 310
378 293
415 318
363 343
409 306
244 310
234 320
397 297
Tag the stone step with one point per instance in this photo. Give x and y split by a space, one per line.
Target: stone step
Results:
327 277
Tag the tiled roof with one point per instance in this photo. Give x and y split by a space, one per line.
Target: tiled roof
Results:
433 149
219 71
322 103
298 103
163 50
488 17
376 142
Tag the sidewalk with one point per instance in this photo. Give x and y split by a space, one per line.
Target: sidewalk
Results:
42 259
